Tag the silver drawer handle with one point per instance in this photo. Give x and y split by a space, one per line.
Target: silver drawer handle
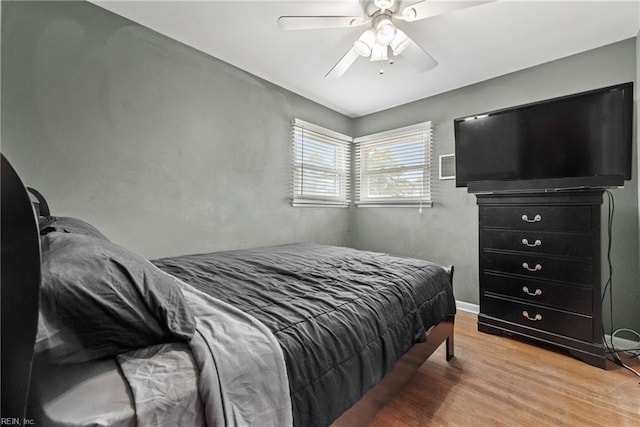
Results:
536 218
538 242
538 267
533 319
535 293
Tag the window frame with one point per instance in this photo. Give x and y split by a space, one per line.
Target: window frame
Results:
318 136
394 137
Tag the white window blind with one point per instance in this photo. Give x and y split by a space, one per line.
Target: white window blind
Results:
321 166
393 168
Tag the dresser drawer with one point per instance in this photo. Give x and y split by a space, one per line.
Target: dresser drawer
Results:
543 218
539 242
547 319
538 267
570 298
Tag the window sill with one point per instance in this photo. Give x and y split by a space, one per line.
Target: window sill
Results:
318 204
395 204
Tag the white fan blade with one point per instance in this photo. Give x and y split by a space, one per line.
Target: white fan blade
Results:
428 8
288 23
418 58
342 65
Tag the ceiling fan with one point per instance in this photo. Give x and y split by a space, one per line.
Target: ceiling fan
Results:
383 39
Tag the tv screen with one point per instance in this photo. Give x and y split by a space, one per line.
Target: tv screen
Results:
580 140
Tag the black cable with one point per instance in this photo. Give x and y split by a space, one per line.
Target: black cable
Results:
609 287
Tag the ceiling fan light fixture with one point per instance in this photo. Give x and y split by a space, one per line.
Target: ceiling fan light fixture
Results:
400 42
365 43
379 52
386 31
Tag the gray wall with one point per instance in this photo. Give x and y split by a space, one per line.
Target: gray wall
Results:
447 233
165 149
170 151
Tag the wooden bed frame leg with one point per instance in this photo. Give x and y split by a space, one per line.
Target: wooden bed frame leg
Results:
450 346
450 342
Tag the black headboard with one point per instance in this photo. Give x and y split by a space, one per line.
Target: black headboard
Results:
42 206
20 287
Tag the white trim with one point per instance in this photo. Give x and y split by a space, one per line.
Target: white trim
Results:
418 127
413 145
321 130
622 343
319 183
468 307
318 204
395 204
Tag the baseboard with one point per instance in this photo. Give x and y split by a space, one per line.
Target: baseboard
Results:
468 307
622 343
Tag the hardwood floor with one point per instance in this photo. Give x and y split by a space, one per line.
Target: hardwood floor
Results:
497 380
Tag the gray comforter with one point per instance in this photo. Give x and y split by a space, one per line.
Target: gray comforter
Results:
341 317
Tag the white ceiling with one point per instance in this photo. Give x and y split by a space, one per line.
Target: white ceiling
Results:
471 45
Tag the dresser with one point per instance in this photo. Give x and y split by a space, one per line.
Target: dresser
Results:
540 274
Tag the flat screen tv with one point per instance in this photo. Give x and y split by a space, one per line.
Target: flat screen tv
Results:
577 141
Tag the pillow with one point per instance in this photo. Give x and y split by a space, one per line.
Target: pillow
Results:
63 224
98 299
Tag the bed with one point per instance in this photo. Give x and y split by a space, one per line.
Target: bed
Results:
296 334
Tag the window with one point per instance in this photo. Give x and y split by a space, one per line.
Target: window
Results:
321 166
393 168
